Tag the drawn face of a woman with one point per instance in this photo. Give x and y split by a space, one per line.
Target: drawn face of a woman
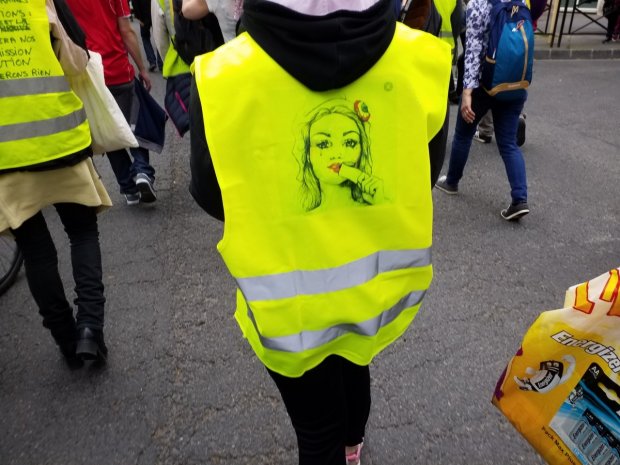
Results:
334 141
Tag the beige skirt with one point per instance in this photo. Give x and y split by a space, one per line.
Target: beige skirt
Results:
24 193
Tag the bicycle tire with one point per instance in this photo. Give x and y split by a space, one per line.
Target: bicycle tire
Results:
9 276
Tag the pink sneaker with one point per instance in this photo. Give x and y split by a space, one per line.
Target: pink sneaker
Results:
354 457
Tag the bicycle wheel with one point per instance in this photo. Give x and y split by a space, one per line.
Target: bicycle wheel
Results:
10 262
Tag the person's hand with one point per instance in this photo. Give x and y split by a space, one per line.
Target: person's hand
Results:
371 186
466 112
145 79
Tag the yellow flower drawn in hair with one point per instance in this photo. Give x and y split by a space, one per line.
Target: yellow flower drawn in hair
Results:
361 110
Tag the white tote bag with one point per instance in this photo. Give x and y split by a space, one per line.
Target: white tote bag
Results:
108 127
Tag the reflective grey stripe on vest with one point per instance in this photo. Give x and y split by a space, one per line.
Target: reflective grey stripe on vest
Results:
281 286
307 340
44 127
33 86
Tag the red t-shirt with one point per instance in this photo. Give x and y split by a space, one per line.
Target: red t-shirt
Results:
99 20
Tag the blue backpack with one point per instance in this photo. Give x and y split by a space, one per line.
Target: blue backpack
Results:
507 66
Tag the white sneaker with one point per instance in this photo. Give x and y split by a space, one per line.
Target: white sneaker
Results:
482 138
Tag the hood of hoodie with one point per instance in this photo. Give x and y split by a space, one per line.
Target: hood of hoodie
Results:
322 52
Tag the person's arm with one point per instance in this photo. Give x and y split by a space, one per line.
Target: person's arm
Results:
195 9
130 40
477 21
203 186
160 31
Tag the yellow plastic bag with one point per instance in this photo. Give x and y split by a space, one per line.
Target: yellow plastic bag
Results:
562 388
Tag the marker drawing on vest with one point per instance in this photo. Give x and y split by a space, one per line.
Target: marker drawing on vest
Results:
22 44
29 73
328 225
336 161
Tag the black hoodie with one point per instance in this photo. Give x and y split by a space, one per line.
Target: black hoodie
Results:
348 43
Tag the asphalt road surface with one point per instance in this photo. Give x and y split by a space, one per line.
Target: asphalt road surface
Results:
183 388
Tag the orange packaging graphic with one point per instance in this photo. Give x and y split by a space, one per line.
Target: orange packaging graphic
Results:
561 390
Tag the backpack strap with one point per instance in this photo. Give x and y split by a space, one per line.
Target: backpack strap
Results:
404 11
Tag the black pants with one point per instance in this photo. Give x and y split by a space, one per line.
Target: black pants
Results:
41 262
611 24
329 407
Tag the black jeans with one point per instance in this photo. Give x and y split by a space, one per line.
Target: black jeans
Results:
329 407
41 263
611 24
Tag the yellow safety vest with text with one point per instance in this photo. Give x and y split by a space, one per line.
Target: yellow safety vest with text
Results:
41 119
173 63
327 197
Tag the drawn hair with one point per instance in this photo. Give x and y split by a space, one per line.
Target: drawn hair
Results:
310 186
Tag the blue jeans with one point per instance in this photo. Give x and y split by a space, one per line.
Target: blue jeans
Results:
145 35
122 165
505 120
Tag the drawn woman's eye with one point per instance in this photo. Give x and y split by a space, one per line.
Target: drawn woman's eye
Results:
350 143
324 144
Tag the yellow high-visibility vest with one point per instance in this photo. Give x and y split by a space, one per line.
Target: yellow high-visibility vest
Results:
173 63
327 197
445 9
41 118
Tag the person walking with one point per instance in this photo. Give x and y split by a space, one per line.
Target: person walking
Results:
45 159
611 11
109 32
317 156
142 12
442 18
475 102
176 68
484 132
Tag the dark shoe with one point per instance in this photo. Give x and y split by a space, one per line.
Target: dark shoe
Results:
66 339
152 67
90 345
515 211
145 185
443 186
133 198
482 138
68 352
607 40
521 131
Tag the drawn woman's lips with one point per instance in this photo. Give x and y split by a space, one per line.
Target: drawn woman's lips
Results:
335 167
